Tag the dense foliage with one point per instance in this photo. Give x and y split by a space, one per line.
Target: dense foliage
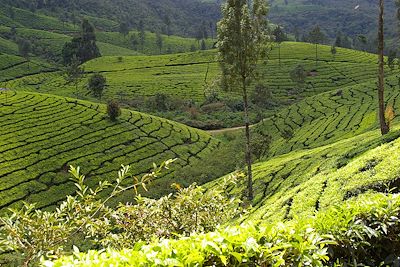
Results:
360 232
350 19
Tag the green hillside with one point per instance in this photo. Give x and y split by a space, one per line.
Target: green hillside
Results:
13 67
41 135
88 87
325 149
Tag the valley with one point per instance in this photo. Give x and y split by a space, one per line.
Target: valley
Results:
313 181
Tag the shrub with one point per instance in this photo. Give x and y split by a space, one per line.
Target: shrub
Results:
113 110
32 233
96 84
262 96
191 210
213 107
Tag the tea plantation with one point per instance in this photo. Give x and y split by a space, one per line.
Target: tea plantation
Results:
41 135
185 75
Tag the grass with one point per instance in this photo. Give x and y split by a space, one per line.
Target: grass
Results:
41 135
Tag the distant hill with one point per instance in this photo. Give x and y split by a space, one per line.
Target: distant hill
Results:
180 17
351 17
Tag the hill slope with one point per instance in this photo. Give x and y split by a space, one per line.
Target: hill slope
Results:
41 135
326 149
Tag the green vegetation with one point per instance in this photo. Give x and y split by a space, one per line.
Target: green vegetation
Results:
90 222
359 232
41 135
323 190
180 18
188 80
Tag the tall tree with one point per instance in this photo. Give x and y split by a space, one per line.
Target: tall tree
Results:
242 38
134 41
381 72
391 59
279 36
159 41
74 72
338 39
142 34
362 42
203 45
123 29
316 36
24 48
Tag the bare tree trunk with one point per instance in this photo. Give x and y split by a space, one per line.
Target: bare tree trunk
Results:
381 75
279 55
248 146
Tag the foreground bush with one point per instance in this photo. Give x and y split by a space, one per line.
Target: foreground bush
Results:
360 232
86 221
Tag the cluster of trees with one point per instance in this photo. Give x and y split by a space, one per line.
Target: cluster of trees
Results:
83 47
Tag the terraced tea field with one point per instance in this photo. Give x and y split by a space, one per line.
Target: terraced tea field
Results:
13 67
183 75
329 117
41 135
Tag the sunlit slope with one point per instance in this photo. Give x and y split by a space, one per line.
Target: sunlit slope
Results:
185 75
326 149
302 182
41 135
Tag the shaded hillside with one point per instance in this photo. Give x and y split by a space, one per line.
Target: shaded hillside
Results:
352 17
179 17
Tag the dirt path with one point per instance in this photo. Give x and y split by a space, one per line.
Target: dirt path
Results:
227 130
